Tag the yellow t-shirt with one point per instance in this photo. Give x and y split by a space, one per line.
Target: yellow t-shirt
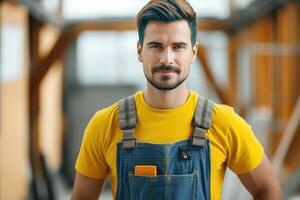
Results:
233 143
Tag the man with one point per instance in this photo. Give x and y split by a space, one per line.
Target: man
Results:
167 142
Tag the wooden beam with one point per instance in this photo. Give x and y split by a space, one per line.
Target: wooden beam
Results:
34 40
41 184
221 93
232 54
213 25
34 147
101 26
288 32
125 25
116 24
262 34
57 52
39 12
287 137
236 22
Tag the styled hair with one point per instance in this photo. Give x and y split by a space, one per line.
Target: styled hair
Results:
167 11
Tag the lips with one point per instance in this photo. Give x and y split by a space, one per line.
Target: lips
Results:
166 71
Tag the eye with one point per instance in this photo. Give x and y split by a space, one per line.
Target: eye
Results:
179 46
156 46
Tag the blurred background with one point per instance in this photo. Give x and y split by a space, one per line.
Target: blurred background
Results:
62 60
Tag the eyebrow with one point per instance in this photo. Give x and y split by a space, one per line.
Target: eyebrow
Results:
180 43
153 43
159 43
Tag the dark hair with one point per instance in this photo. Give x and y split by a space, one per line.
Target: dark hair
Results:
167 11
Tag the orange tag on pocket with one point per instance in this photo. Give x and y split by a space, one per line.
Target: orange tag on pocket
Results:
145 170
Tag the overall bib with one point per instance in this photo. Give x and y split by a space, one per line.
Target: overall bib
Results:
183 168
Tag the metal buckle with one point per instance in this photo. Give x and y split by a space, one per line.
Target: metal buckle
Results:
199 137
129 143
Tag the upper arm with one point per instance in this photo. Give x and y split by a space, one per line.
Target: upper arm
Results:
86 188
262 182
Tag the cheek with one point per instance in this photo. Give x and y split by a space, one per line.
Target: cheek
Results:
185 60
150 58
149 54
147 65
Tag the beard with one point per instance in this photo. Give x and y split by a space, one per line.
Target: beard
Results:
160 84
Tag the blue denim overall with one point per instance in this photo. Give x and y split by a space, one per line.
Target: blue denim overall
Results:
183 168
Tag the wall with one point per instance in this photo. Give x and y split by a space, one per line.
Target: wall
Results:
14 168
51 117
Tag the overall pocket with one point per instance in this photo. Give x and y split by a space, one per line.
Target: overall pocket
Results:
163 187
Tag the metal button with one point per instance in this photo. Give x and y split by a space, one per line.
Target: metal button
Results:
184 156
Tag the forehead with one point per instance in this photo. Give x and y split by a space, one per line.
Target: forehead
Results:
167 32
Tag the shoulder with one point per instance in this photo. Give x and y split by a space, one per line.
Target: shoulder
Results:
108 117
223 115
222 119
102 127
234 137
226 117
227 124
107 113
102 121
221 110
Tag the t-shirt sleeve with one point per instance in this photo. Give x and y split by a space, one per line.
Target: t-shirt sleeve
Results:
91 161
245 151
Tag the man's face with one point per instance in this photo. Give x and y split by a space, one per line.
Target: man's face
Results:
166 53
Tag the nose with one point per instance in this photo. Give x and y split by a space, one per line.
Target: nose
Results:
167 57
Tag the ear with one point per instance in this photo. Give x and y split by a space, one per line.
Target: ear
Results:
194 52
139 51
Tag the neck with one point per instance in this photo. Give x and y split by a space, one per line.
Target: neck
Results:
166 99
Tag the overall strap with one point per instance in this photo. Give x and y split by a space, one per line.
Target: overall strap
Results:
202 121
127 121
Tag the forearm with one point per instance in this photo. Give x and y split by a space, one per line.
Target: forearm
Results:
262 182
86 188
81 196
268 195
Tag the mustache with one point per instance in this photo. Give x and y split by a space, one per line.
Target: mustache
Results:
165 67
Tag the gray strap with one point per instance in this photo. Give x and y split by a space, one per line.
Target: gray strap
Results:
129 141
202 121
203 113
127 113
199 137
127 121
